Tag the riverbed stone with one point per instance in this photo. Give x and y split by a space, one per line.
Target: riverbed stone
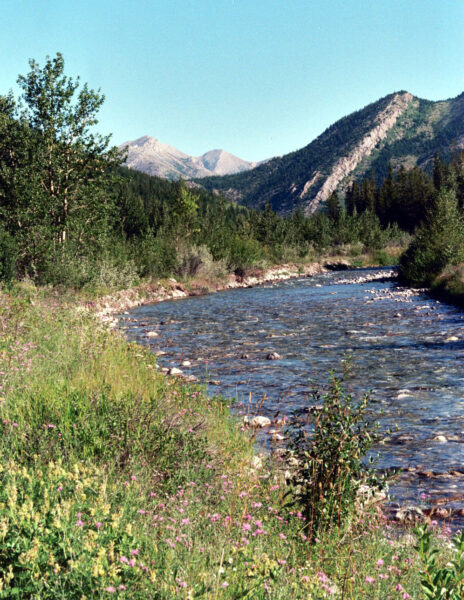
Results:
175 371
409 514
260 421
152 334
273 356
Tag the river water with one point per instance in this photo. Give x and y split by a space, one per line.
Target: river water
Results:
403 347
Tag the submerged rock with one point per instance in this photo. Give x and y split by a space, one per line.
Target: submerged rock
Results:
273 356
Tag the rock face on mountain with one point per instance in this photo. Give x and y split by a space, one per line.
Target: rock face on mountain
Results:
398 128
150 156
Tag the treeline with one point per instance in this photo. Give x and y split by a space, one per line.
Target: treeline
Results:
70 214
406 196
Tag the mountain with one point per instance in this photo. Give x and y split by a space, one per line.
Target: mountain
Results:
399 128
150 156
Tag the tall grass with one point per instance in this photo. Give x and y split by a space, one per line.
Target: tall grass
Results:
118 481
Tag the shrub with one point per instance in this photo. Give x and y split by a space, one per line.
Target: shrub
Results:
437 244
197 260
243 253
7 256
441 582
330 462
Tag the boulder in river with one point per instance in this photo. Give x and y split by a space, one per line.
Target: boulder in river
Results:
259 421
273 356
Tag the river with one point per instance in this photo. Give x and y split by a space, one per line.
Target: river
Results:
403 347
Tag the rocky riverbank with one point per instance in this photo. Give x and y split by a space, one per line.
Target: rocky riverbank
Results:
171 289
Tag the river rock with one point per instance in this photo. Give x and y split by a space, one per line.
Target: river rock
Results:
440 438
260 421
273 356
152 334
190 378
441 512
244 356
452 338
186 363
409 514
368 496
175 371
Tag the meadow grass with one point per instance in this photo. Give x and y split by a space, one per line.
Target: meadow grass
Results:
118 481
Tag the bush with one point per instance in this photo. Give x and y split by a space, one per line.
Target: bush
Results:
7 256
437 244
243 253
155 257
441 582
331 463
197 260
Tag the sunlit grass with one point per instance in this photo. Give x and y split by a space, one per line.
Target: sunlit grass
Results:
115 480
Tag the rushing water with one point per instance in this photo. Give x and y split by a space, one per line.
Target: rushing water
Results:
403 346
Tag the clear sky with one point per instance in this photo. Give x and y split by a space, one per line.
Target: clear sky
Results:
259 78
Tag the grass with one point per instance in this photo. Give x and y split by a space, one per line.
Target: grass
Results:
118 481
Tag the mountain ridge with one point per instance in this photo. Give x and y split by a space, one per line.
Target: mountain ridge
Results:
398 128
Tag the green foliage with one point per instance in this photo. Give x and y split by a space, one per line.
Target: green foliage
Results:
441 582
8 256
69 214
330 460
439 242
57 195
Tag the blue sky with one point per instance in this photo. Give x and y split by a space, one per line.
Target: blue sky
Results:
258 78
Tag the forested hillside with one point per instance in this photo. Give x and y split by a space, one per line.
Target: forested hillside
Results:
398 130
70 214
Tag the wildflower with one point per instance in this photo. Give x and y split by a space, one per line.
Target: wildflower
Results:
406 596
322 576
246 527
185 522
379 562
369 579
224 584
98 524
110 589
282 536
134 478
134 552
59 488
399 588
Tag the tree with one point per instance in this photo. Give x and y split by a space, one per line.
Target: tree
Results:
439 242
333 207
59 199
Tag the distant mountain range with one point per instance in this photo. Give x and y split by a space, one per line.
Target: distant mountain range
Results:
398 128
151 156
